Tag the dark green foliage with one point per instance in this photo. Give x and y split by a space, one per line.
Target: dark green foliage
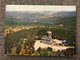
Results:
49 49
58 32
58 53
70 52
18 49
39 49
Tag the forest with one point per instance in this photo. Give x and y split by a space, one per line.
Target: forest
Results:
40 30
22 42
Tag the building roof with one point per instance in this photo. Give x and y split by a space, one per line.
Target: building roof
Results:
46 38
64 40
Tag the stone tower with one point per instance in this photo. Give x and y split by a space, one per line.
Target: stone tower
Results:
49 34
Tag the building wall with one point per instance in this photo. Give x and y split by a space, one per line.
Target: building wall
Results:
45 41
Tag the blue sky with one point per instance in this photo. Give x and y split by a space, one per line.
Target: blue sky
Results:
40 8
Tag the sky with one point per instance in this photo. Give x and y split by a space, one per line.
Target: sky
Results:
40 8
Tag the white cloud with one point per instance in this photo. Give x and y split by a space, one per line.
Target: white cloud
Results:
40 8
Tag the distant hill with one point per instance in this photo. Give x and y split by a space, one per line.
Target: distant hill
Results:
67 18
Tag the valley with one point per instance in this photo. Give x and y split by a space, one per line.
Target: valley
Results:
40 33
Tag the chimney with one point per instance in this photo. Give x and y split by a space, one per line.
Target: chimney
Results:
49 34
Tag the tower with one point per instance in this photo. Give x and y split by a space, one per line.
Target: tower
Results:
49 34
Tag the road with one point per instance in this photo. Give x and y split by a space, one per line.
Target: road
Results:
42 45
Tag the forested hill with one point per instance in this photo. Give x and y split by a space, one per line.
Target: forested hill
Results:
67 18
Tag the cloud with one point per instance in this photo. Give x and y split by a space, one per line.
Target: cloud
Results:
39 8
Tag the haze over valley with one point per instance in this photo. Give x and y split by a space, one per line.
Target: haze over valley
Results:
66 18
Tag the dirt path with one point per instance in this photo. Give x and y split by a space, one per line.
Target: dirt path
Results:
42 45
